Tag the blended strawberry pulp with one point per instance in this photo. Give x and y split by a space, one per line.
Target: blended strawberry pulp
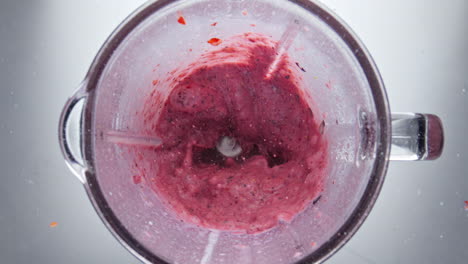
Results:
232 91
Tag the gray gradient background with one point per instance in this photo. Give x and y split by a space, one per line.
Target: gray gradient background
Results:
420 46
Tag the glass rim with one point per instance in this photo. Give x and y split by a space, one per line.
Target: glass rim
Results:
374 185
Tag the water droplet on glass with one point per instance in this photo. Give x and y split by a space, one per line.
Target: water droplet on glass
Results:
419 192
297 254
12 93
441 236
11 132
464 90
441 203
458 155
15 106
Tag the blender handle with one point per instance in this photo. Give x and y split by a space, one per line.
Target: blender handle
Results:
416 137
70 132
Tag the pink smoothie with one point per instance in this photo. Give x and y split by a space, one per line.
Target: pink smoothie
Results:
226 93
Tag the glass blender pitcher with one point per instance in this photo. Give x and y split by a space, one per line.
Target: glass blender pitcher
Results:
341 78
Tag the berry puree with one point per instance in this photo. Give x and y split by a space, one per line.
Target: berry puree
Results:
230 98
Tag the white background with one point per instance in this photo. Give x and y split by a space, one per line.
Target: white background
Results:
420 46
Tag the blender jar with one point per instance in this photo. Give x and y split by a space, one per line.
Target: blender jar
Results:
340 78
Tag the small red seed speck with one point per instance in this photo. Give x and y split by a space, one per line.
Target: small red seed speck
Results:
155 82
53 224
313 244
136 179
181 20
214 24
215 41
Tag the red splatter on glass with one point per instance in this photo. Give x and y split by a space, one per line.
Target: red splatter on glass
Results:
53 224
136 179
214 24
245 12
253 25
215 41
466 205
181 20
155 82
